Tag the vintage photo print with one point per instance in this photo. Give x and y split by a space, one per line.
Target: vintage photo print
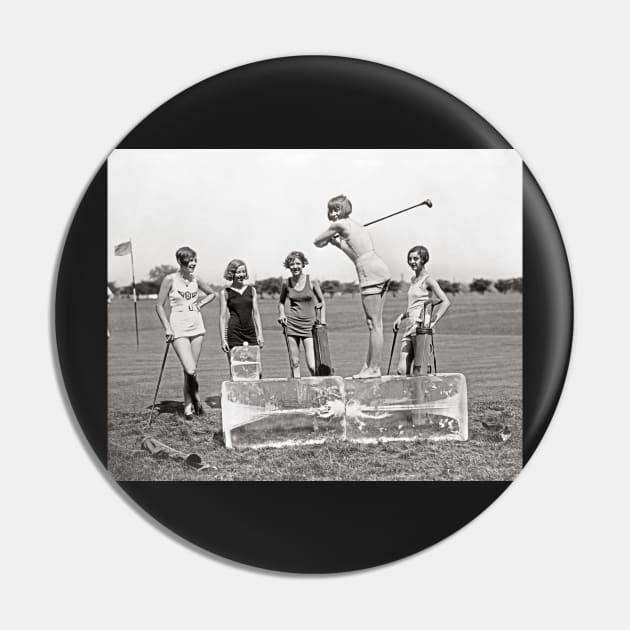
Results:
315 315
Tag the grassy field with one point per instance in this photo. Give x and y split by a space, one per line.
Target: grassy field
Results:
480 337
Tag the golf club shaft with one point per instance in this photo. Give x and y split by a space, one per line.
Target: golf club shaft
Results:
426 202
157 388
286 340
391 354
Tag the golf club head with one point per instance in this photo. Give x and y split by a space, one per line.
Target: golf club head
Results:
428 203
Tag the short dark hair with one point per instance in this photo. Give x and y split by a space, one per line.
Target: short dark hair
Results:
292 256
422 250
341 203
184 255
231 268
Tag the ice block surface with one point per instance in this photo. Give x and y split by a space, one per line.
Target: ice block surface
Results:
431 407
278 412
245 363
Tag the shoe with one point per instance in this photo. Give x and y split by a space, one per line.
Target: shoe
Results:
369 373
188 412
197 407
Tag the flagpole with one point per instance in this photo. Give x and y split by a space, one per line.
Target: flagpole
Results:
133 288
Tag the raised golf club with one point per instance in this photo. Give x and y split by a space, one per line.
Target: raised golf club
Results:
427 202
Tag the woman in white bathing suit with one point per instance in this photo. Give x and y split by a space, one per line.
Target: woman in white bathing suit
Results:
422 288
354 240
184 328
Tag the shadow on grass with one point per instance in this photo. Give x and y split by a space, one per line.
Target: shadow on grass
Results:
168 406
214 402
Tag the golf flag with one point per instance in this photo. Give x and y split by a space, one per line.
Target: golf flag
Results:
122 249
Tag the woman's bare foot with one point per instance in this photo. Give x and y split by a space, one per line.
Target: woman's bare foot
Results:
368 373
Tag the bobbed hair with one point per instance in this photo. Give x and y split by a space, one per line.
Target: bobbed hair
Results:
184 255
231 268
422 250
341 203
292 256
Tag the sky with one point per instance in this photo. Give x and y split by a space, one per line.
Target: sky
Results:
260 204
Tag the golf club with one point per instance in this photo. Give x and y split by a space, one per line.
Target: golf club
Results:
157 388
427 202
391 354
286 340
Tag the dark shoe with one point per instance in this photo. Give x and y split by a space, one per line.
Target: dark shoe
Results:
198 408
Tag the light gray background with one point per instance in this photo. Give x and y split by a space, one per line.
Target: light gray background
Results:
552 77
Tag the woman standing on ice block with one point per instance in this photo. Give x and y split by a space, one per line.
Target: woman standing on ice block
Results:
354 240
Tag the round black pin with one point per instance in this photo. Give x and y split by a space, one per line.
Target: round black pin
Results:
304 182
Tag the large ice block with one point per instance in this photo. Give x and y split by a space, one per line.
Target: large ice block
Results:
245 363
282 412
391 408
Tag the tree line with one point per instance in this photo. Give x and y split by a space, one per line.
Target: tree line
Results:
270 287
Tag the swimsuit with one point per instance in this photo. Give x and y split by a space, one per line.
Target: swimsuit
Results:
301 314
241 327
185 318
373 274
417 296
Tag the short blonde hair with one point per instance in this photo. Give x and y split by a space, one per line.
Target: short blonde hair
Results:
231 268
341 203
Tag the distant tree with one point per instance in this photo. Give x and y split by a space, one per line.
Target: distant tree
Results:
331 287
394 287
271 286
350 287
480 285
445 285
450 287
112 287
503 286
157 274
517 284
456 287
146 287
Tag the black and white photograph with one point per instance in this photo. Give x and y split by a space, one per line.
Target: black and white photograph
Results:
134 131
315 315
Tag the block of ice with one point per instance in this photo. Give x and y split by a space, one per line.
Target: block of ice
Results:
388 408
245 363
280 412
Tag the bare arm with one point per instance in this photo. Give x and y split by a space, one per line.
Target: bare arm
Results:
165 289
398 321
317 290
207 289
282 317
330 236
257 321
223 321
444 303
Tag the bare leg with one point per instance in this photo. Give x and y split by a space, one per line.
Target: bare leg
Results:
196 343
373 307
309 351
406 357
294 356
